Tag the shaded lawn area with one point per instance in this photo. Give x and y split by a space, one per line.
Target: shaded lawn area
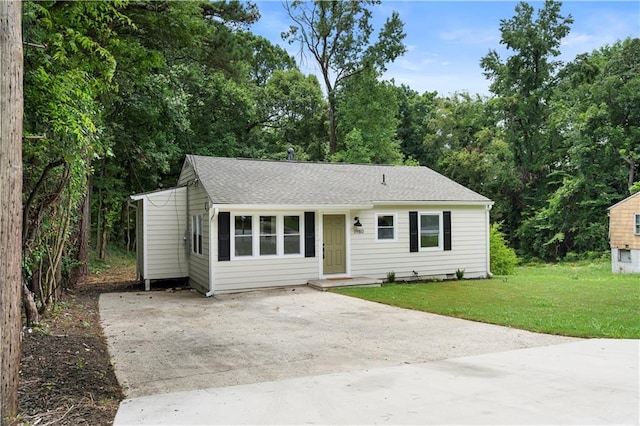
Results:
582 300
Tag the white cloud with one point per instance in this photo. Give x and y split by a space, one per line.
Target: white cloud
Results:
472 36
445 83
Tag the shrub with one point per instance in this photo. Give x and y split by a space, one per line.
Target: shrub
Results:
459 273
503 257
391 277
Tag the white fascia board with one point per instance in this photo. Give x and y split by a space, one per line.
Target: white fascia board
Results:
136 197
291 207
433 203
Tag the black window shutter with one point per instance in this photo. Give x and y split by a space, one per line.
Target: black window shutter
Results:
224 236
413 232
446 219
309 234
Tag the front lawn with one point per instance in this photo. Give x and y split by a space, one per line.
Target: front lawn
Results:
582 300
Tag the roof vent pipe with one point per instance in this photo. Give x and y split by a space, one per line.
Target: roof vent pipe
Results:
290 154
384 180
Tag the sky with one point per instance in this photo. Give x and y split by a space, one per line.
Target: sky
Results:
446 39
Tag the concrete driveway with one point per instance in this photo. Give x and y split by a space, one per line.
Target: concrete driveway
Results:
163 342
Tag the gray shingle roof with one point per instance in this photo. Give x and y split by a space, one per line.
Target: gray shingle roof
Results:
246 181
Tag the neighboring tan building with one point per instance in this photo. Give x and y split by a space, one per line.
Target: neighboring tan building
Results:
624 234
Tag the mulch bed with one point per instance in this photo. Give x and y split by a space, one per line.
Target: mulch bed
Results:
66 375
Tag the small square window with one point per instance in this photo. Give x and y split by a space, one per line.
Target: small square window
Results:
385 227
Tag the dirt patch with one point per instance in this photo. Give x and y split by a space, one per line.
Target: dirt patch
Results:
66 375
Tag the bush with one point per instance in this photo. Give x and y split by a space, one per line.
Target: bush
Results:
503 257
391 277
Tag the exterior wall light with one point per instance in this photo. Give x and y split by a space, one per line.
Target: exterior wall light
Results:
357 226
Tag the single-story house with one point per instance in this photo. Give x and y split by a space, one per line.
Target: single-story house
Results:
235 224
624 234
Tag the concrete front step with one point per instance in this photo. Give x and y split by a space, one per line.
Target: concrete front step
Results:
324 285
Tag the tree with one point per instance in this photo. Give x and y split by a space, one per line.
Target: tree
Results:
523 85
11 111
414 112
595 114
290 113
337 35
463 142
63 82
367 110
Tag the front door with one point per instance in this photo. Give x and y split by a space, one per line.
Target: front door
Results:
334 244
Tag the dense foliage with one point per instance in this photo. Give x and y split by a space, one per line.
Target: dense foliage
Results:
117 92
503 258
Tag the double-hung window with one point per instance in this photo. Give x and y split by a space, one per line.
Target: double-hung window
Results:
243 236
291 235
385 227
431 231
268 236
196 234
637 223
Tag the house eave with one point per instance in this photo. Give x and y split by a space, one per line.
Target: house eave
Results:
433 203
142 195
285 207
342 207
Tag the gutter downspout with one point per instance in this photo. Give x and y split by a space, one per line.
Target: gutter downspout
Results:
213 213
488 231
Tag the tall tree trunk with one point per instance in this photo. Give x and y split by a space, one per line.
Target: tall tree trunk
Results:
333 131
11 110
103 238
82 255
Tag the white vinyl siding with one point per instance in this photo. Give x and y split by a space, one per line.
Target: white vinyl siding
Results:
140 241
198 202
468 241
199 264
166 221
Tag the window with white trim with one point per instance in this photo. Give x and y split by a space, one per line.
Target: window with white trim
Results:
637 227
243 235
385 227
267 235
196 234
430 231
291 235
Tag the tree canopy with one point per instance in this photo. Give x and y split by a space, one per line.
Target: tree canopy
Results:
117 92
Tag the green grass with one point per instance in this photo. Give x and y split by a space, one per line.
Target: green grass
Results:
582 300
116 258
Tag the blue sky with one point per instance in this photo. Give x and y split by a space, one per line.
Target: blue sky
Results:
446 39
